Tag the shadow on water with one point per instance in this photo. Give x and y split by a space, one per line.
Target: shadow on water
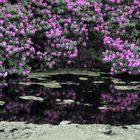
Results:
77 98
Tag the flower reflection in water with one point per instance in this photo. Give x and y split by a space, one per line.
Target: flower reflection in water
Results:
84 102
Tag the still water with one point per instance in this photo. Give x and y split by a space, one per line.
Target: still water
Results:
84 98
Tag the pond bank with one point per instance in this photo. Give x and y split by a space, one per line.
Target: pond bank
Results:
65 131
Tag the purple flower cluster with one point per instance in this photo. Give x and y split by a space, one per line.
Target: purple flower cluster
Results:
16 46
63 29
53 31
3 1
119 25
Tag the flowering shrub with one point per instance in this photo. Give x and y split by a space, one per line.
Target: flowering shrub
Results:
120 27
60 31
53 32
15 42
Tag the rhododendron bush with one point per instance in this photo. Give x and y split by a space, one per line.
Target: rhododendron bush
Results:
60 31
16 47
121 30
53 31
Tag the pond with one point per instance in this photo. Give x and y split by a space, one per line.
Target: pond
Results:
77 96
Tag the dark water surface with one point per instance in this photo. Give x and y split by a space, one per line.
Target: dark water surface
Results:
76 98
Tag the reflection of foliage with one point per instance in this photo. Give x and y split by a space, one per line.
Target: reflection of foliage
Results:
120 101
81 103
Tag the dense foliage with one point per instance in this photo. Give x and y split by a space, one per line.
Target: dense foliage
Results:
55 32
